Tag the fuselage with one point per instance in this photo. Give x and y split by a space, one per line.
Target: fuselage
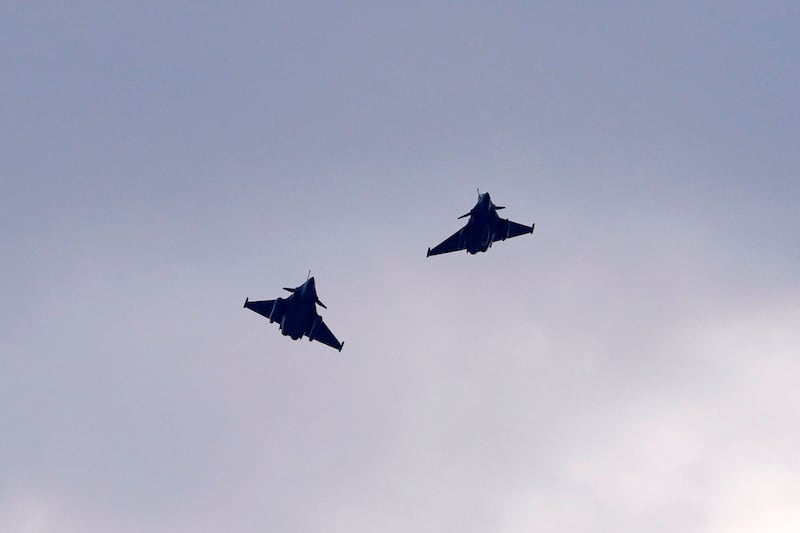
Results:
300 310
477 234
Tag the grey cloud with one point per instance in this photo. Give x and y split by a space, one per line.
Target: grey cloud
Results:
629 367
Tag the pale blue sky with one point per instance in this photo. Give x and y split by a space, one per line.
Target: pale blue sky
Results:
630 367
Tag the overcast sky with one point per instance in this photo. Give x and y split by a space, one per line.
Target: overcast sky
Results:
630 367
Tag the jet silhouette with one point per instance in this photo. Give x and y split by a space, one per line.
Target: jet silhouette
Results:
297 314
483 228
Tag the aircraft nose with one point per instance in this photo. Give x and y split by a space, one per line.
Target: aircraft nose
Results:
311 286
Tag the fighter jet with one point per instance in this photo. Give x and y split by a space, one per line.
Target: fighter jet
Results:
483 228
297 314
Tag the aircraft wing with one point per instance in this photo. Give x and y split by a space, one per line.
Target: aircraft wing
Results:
265 308
505 229
324 335
453 243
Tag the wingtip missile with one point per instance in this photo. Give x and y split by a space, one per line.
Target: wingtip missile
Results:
246 300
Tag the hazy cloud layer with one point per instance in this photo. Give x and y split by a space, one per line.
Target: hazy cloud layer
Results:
630 367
